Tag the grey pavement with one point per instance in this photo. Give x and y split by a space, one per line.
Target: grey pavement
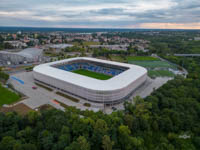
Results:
41 96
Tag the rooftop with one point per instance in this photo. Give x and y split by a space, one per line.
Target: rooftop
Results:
28 52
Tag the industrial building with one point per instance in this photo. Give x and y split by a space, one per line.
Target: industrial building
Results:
27 55
125 78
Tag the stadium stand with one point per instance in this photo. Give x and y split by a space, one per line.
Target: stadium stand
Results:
90 67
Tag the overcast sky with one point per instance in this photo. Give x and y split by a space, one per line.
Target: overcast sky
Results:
181 14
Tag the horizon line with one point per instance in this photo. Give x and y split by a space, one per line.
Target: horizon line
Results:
97 28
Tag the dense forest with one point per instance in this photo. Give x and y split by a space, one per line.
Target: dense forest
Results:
169 119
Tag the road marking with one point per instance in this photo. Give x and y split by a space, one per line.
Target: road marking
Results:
20 81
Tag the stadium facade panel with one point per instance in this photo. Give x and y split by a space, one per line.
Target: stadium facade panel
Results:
125 78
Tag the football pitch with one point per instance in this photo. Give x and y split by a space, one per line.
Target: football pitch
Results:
153 64
91 74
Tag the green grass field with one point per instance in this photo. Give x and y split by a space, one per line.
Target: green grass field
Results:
95 75
141 58
90 43
7 97
85 43
153 64
160 73
117 58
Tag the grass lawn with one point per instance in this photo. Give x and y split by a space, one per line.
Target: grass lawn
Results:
153 64
117 58
95 75
91 43
160 73
85 43
87 104
7 97
141 58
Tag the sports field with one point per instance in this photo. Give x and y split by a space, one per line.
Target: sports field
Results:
156 67
153 64
91 74
7 97
117 58
141 58
160 73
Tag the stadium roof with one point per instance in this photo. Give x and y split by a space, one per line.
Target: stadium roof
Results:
28 52
117 82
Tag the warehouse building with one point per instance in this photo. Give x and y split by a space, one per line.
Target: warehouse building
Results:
27 55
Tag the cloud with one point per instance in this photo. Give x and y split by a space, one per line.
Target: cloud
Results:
170 25
101 13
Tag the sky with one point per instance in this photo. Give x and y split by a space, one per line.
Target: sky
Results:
153 14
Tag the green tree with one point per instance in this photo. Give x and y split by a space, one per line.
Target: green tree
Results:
28 146
80 144
128 120
32 117
124 136
107 143
100 129
7 143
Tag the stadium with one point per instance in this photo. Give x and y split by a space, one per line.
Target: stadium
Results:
94 80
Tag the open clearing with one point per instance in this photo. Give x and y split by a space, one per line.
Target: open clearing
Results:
95 75
22 109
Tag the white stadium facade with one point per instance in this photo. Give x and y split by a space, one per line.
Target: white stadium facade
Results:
125 79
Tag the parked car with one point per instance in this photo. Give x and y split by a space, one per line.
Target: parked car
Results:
34 87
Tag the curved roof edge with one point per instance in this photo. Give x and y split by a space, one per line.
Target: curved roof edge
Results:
115 83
